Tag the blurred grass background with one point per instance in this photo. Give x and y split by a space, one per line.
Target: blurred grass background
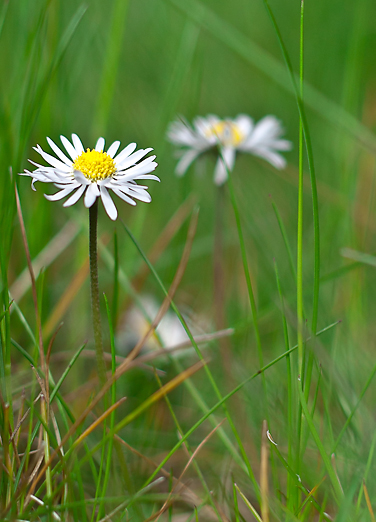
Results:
123 70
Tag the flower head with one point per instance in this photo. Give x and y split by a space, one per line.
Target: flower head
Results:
94 172
241 134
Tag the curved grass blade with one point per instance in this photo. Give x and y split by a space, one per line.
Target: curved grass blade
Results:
307 138
349 418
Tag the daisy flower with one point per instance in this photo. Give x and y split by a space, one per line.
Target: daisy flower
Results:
262 139
93 173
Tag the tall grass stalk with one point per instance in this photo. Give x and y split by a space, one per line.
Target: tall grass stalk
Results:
299 264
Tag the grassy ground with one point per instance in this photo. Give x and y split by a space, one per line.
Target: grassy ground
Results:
124 69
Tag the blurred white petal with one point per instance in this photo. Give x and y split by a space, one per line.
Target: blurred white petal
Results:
263 139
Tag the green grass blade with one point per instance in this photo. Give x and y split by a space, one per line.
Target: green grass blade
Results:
350 417
110 66
328 465
315 207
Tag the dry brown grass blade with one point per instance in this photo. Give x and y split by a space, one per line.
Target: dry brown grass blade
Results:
98 421
16 457
368 500
56 430
66 299
193 456
40 382
167 300
15 436
124 366
264 483
176 381
150 356
20 421
32 277
50 252
40 453
164 239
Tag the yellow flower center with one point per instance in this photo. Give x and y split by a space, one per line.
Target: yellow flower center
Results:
95 165
227 132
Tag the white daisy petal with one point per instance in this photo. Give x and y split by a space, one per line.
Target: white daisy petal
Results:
142 196
282 145
91 195
275 159
127 178
137 171
123 196
108 203
51 160
185 161
81 178
112 150
59 152
100 145
264 132
220 172
244 124
148 176
135 187
132 159
77 144
59 195
65 185
125 153
76 196
69 147
46 176
228 154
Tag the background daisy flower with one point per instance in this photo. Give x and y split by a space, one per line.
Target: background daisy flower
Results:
93 173
262 139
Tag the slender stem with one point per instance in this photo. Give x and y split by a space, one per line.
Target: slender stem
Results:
307 138
299 271
95 309
300 211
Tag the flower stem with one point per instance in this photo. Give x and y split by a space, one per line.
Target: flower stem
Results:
95 309
300 210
